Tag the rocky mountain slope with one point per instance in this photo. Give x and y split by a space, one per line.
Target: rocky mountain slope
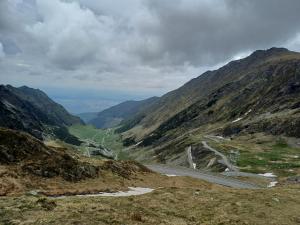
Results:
28 164
33 111
257 94
258 86
35 158
115 115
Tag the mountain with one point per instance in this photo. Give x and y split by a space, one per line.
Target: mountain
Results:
32 111
88 116
54 111
113 116
29 166
37 159
259 93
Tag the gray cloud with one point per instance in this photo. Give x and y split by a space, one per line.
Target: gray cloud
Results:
2 54
202 32
144 45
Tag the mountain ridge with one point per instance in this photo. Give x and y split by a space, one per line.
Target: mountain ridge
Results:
32 111
114 115
198 88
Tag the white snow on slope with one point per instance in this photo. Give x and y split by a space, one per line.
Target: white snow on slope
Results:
132 192
272 184
137 144
236 120
267 174
248 112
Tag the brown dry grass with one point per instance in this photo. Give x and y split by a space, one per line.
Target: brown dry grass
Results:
185 206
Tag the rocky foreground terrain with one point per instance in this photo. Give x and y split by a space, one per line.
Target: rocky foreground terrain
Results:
27 164
40 185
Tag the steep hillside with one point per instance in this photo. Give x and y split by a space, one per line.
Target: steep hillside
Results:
33 111
88 116
54 111
115 115
27 164
267 81
35 158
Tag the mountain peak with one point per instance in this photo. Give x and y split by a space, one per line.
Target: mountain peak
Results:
269 52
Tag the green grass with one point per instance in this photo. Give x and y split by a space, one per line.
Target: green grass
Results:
106 138
273 155
277 159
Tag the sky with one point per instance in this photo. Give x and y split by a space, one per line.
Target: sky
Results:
89 54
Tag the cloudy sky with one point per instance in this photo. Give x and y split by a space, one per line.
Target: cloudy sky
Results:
91 54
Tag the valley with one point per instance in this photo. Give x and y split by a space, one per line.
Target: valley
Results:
104 140
222 149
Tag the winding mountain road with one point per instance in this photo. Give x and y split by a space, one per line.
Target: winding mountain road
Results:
225 160
203 175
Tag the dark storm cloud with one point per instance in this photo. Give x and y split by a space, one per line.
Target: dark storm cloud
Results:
142 45
202 32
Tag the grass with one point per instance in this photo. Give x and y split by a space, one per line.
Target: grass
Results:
265 154
106 138
166 206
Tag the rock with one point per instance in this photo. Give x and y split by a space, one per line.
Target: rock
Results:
47 204
36 158
33 193
294 180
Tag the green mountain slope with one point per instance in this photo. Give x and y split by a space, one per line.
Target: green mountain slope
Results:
113 116
264 82
248 110
88 116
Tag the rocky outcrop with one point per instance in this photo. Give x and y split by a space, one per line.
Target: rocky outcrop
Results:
124 168
34 158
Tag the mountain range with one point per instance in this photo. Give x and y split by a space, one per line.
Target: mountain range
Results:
259 93
113 116
32 111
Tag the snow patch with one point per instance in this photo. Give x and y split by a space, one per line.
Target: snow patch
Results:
236 120
137 144
272 184
171 175
248 112
132 191
267 174
194 165
219 137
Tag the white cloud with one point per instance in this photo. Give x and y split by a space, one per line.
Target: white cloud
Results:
70 35
294 43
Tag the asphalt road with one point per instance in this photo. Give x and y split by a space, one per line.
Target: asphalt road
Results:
224 158
203 175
